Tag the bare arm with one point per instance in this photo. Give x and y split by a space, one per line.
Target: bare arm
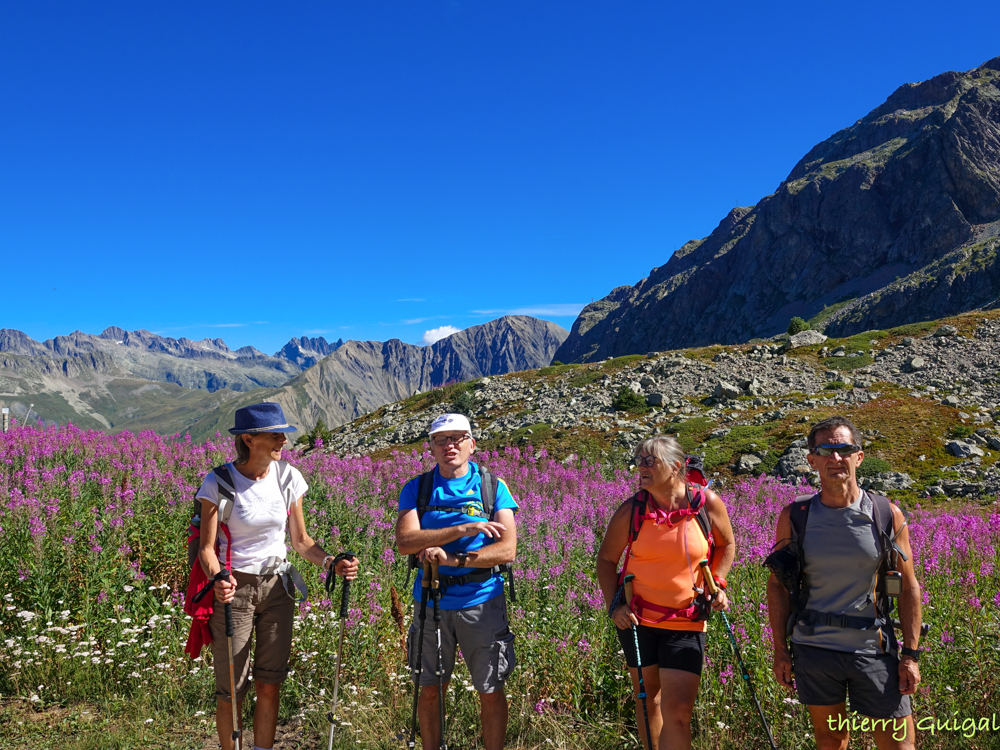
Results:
499 552
225 591
411 539
614 543
779 608
308 549
909 605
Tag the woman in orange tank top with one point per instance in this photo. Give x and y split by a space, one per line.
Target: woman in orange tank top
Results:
666 611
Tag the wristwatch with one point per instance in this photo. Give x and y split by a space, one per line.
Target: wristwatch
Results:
462 557
913 653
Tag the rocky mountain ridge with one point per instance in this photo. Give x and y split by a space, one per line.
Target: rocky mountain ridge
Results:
891 220
140 380
926 395
361 376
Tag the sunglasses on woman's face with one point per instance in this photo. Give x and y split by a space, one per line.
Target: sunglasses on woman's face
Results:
648 461
841 449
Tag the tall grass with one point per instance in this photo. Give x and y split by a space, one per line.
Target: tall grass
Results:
92 535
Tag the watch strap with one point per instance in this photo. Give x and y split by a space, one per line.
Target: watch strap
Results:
913 653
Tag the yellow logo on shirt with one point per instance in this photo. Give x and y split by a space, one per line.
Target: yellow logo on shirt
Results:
471 492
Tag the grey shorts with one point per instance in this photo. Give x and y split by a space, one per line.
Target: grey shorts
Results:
483 634
261 605
824 678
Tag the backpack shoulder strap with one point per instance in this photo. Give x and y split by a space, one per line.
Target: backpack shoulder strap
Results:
227 492
285 483
639 504
488 485
798 515
697 501
424 491
886 530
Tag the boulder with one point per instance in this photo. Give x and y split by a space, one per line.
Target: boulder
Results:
951 401
635 387
654 399
794 463
962 449
916 363
747 463
839 352
946 330
804 338
727 390
994 442
646 381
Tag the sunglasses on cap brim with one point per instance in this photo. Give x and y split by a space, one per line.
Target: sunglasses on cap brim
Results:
841 449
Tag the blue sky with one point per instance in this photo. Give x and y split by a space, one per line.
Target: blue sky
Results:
372 170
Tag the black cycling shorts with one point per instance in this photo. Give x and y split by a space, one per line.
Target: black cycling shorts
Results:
670 649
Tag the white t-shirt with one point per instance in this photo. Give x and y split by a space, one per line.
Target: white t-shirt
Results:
258 520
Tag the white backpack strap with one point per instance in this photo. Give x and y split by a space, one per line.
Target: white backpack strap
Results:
285 484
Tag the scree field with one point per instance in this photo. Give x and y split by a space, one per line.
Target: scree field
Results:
93 572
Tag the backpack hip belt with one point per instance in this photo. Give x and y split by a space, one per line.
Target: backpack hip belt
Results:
811 618
638 604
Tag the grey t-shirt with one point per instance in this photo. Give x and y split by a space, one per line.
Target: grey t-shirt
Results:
842 555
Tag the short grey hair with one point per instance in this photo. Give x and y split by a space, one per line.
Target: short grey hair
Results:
829 425
665 448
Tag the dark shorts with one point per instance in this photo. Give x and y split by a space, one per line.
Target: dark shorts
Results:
670 649
825 678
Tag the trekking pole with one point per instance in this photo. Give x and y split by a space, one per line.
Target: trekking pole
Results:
417 671
232 675
713 589
331 584
436 597
638 662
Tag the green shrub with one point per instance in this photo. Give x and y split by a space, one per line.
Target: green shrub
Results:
464 403
555 363
585 378
628 400
873 465
796 325
961 431
319 432
835 385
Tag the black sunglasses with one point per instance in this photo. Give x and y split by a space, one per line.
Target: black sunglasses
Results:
841 449
647 461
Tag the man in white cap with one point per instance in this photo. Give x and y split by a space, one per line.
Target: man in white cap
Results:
445 516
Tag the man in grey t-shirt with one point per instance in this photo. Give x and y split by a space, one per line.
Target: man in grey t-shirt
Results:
837 646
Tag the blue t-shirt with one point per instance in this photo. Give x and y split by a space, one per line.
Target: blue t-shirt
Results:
456 493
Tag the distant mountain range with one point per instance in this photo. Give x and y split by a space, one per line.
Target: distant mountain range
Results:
892 220
139 380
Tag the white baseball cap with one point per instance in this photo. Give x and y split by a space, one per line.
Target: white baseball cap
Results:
450 423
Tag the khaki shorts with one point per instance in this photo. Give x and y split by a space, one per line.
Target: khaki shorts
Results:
261 604
483 634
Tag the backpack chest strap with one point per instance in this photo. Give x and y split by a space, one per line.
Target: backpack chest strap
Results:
467 510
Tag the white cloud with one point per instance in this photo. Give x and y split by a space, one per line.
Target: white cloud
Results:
414 321
436 334
557 310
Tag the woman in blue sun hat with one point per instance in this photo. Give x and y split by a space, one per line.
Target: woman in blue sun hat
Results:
261 499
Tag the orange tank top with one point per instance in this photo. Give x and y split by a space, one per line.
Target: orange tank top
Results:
665 561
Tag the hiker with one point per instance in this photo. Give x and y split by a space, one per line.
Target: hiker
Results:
267 495
663 526
851 557
448 525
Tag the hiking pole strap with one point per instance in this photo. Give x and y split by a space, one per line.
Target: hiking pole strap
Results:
222 575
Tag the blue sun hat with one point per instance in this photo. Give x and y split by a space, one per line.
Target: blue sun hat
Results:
265 417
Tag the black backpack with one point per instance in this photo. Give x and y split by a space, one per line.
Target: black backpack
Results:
489 484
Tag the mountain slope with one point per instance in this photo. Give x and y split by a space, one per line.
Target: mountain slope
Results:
894 219
362 375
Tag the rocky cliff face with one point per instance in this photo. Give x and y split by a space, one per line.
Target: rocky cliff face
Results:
892 220
363 375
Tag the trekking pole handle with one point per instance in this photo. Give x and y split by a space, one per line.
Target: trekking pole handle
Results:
628 589
346 592
229 619
710 583
425 581
435 580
